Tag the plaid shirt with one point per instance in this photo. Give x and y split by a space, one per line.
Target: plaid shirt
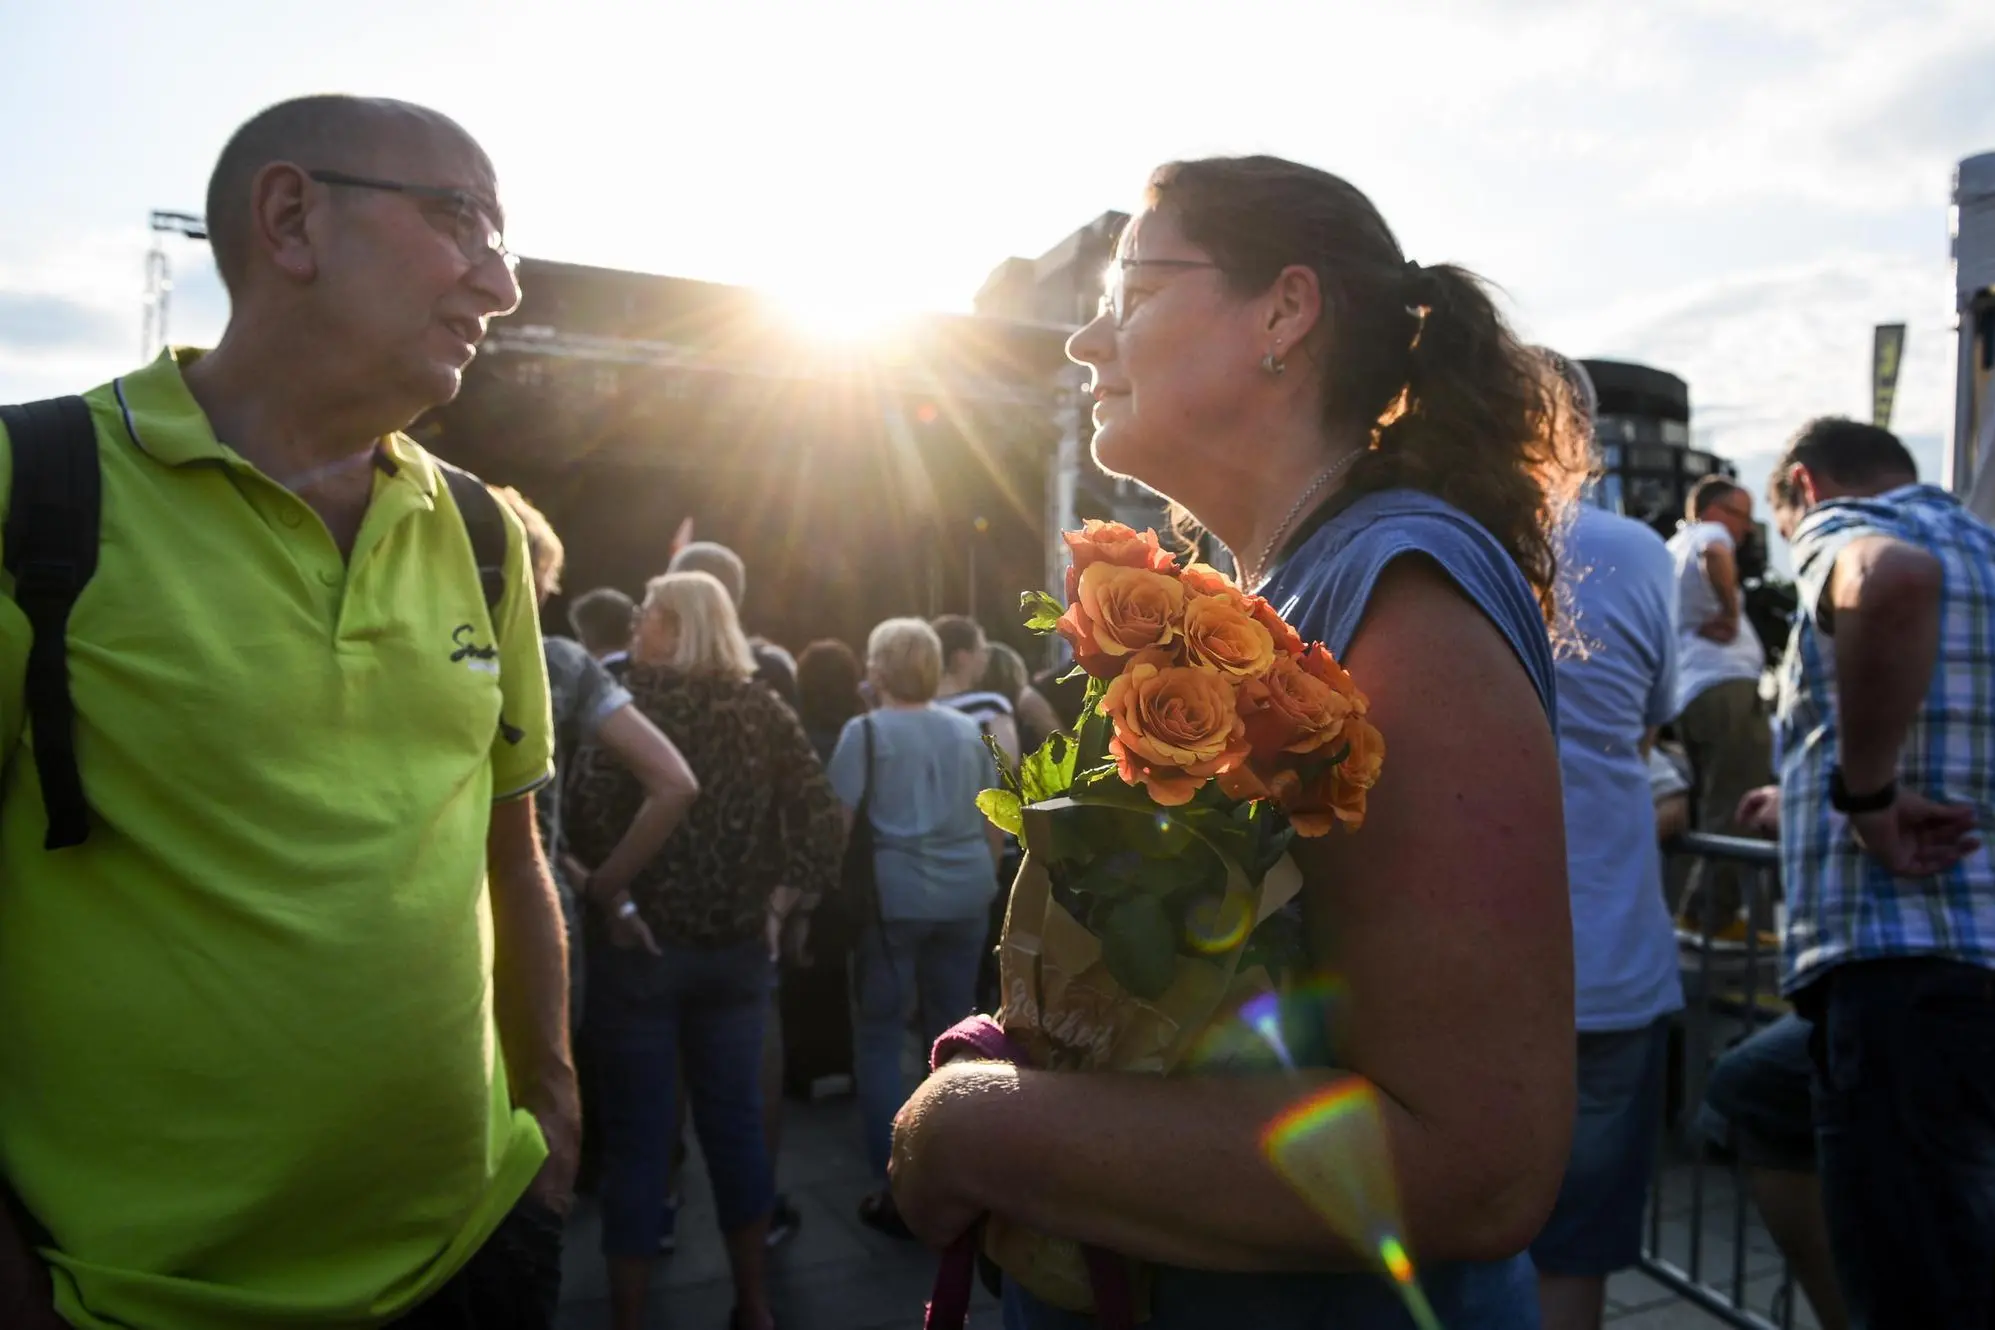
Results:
1841 905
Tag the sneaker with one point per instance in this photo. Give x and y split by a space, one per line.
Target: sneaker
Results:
784 1221
668 1241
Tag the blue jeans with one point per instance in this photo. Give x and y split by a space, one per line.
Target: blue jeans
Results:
648 1014
1759 1100
916 964
1905 1127
1596 1227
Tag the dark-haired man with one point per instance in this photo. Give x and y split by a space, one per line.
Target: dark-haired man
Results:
1887 786
1719 661
284 1041
965 655
602 621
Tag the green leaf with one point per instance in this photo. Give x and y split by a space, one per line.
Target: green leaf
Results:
1196 867
1002 808
1042 612
1004 767
1140 947
1075 673
1048 773
1112 876
1094 732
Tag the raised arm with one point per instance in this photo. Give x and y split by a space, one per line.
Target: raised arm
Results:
669 790
1446 917
1722 569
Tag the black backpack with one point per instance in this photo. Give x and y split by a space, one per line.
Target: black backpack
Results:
51 532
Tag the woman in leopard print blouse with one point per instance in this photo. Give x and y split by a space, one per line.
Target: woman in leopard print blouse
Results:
683 976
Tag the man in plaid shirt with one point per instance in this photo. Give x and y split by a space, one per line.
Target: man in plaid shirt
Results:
1887 778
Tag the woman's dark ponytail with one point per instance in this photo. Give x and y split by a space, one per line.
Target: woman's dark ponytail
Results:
1417 358
1484 423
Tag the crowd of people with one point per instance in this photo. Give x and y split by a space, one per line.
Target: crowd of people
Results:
766 761
321 869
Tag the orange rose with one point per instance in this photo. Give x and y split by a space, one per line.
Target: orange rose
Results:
1362 764
1287 641
1119 611
1176 726
1220 635
1299 705
1112 543
1337 795
1244 783
1202 579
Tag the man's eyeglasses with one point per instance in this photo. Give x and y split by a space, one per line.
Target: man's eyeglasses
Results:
1114 294
478 237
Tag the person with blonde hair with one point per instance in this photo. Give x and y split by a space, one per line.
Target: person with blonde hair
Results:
916 767
684 974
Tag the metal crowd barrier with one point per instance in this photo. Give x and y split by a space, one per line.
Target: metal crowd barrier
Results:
1731 989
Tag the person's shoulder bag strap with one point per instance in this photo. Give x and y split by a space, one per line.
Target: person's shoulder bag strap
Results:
54 518
485 525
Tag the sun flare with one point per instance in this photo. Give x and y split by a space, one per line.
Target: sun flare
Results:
841 312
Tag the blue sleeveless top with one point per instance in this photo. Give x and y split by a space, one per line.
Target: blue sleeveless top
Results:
1322 589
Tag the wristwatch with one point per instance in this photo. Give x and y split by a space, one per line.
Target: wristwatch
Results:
1843 801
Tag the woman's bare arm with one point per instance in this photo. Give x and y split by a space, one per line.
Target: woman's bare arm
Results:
1447 919
669 790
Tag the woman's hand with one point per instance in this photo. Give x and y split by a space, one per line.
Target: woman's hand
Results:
935 1145
628 931
1759 811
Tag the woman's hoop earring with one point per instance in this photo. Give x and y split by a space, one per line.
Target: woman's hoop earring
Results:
1272 365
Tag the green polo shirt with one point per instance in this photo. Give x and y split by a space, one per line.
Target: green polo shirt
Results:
249 1075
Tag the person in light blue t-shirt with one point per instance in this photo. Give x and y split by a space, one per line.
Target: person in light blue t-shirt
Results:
1616 685
935 860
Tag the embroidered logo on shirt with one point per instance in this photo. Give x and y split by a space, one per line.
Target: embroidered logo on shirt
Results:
483 659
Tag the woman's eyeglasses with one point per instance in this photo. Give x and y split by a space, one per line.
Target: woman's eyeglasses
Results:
1114 294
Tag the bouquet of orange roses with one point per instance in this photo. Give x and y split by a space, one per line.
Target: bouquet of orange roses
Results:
1152 895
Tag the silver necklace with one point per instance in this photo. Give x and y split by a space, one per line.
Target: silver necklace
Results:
1323 477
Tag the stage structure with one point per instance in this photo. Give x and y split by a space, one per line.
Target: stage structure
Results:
912 474
1643 433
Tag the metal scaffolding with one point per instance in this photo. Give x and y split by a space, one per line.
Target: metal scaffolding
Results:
159 276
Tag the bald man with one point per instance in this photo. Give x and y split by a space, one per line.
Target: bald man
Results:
284 1040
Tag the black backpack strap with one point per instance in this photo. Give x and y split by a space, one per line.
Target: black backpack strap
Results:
486 526
53 520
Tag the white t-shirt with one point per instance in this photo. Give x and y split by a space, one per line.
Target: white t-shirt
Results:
1700 662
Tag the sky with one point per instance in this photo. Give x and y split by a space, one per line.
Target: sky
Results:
1735 192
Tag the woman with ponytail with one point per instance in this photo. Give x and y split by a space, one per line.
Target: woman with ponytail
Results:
1389 466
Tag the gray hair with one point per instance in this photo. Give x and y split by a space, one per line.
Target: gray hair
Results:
716 560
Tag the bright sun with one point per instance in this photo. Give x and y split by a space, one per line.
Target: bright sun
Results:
840 311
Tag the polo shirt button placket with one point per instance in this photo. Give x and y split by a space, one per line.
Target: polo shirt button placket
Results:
329 576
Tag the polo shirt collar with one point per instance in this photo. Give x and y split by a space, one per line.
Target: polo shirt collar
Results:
164 422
